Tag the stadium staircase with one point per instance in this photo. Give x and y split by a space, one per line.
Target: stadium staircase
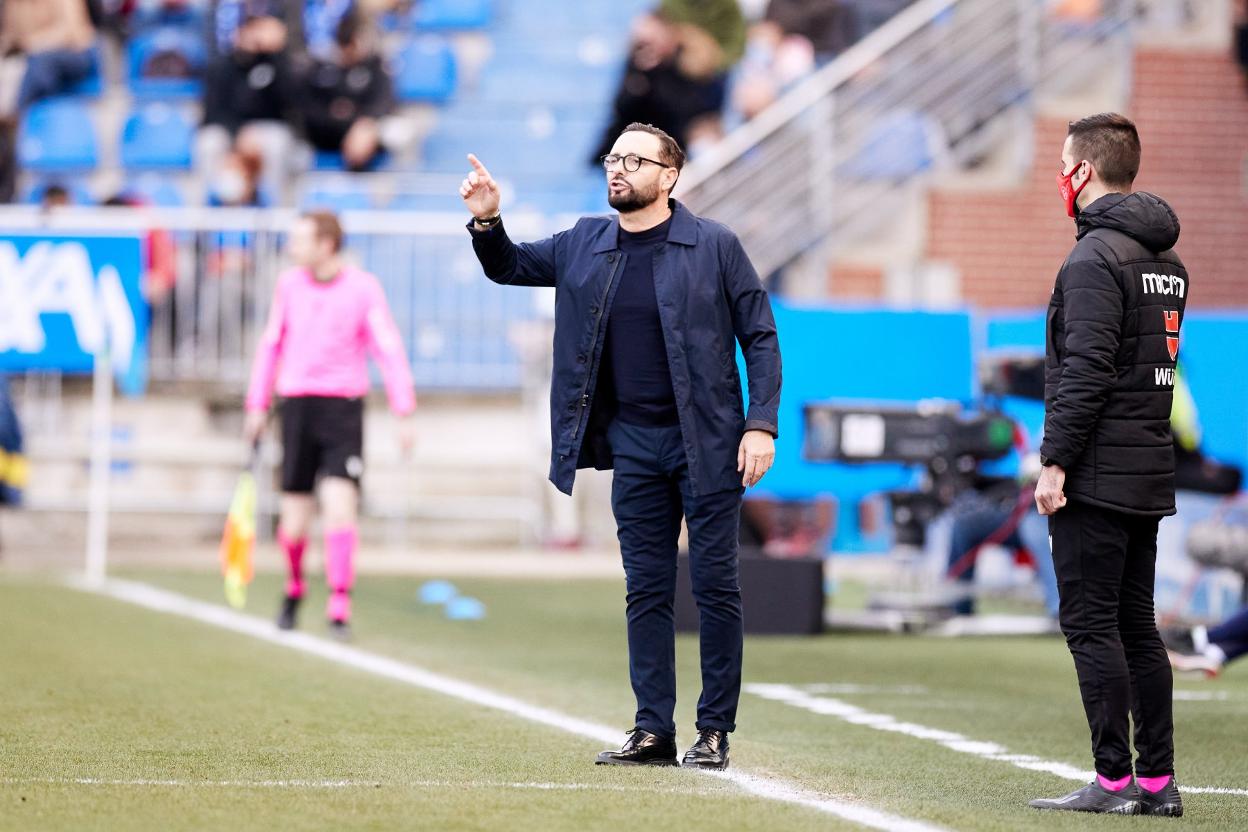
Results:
919 167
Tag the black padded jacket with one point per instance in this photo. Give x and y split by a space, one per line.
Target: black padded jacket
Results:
1111 344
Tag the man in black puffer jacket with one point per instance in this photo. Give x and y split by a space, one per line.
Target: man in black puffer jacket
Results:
1108 455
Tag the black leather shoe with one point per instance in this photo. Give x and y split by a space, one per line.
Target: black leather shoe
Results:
1095 798
1165 803
710 751
641 749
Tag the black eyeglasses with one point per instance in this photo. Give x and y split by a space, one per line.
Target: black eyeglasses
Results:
632 162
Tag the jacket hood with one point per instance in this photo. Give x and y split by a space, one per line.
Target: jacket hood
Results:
1146 217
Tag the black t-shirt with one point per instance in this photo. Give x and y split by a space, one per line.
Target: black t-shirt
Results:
635 352
243 87
333 97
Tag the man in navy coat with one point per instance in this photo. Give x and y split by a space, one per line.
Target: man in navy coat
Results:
649 308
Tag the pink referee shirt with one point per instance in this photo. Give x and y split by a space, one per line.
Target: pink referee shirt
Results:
319 335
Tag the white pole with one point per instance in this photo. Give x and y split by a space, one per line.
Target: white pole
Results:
101 462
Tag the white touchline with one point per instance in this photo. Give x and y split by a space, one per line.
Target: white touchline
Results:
354 784
827 706
161 600
1201 696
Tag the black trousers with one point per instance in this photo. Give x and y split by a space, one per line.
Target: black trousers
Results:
1106 564
650 493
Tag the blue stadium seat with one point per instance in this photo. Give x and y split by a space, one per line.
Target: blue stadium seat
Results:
337 200
512 147
454 14
521 78
425 71
154 189
172 41
329 160
157 136
445 203
57 135
152 13
540 17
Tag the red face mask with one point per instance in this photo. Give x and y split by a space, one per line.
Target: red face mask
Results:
1070 194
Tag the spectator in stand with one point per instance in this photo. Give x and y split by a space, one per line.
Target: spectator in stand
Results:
237 184
249 95
55 195
57 37
160 268
676 76
830 26
343 101
792 39
228 16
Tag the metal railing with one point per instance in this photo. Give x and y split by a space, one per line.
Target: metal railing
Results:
205 325
463 333
834 157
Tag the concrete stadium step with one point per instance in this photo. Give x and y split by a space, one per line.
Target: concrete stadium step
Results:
472 478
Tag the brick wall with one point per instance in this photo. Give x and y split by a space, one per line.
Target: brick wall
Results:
1192 111
850 281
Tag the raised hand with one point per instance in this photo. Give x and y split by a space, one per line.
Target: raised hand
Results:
479 191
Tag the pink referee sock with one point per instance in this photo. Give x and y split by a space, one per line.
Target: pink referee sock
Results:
1113 785
340 546
293 549
1154 784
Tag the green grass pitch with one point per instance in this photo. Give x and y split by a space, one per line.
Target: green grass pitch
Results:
120 718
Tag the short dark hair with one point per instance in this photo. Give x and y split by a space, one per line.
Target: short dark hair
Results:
669 151
349 27
327 226
1111 143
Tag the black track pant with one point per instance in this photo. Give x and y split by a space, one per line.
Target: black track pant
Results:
1106 563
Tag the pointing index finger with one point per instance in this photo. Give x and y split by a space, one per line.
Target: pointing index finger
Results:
477 166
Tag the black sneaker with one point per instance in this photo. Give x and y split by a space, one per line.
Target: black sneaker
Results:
1095 798
339 629
1166 803
641 749
286 618
710 751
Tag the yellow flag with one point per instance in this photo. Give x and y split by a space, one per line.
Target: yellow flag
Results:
238 541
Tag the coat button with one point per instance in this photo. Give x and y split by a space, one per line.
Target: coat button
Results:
572 408
610 258
580 359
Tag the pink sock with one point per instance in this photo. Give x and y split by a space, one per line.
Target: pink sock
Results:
1154 784
340 546
294 559
1113 785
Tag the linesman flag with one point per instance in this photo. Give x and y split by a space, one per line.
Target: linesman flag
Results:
239 538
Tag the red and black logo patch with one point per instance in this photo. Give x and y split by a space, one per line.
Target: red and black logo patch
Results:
1172 325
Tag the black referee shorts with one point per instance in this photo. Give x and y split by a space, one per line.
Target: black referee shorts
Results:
321 436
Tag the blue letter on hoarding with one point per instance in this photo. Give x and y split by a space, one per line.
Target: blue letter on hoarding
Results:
62 297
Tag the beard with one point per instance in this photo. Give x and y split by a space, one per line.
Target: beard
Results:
633 199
